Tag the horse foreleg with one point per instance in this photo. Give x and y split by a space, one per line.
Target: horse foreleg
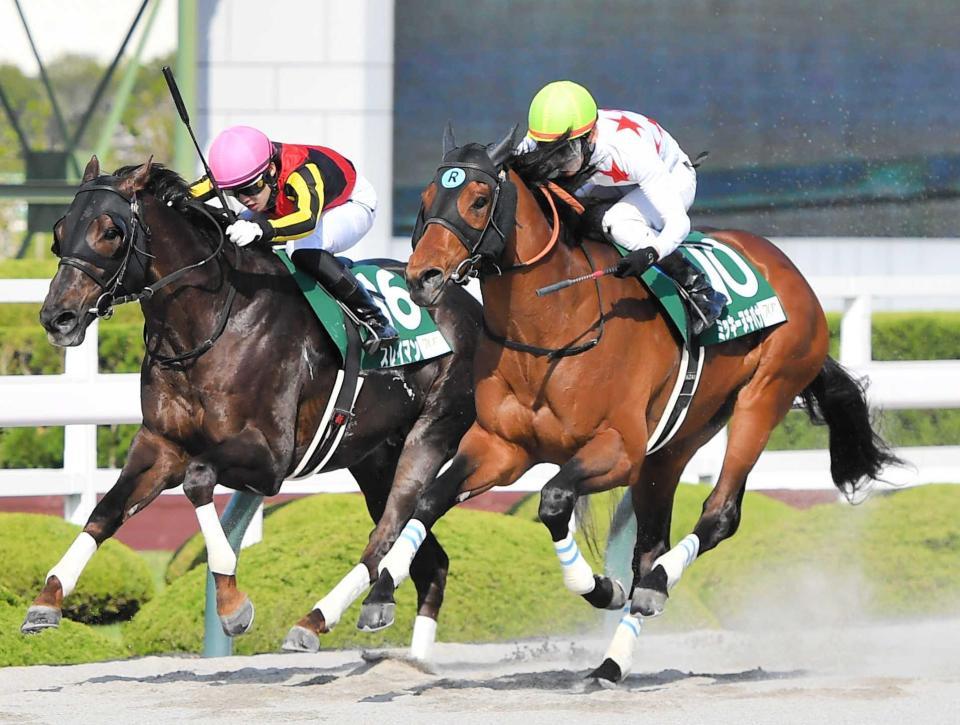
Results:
652 499
153 465
246 458
483 461
601 464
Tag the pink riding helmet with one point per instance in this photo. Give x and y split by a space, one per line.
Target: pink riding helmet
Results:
239 154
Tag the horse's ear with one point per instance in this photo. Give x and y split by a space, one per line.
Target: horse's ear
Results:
138 179
93 169
504 148
449 142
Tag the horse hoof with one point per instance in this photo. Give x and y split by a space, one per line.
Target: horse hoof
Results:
239 621
608 673
619 598
375 616
40 617
300 639
648 602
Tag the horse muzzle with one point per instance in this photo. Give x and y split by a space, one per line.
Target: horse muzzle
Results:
65 328
426 287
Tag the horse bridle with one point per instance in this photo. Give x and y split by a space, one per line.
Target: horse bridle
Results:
485 258
484 246
128 220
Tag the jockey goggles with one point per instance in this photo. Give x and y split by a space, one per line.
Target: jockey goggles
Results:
251 188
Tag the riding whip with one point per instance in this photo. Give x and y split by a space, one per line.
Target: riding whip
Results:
185 117
563 284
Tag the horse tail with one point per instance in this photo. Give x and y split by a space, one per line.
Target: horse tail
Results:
857 453
587 525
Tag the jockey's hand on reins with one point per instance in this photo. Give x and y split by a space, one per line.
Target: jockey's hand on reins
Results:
636 263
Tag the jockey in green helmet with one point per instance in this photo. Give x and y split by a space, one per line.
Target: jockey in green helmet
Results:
629 158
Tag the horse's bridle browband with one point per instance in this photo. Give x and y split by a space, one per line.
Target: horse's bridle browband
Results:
133 227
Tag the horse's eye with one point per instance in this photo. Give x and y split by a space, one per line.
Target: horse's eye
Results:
480 202
111 233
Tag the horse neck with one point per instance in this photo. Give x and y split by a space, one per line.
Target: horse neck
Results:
510 304
183 311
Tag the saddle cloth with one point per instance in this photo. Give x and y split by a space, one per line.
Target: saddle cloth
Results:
420 339
752 304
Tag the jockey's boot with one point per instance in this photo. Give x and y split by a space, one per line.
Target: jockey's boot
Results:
707 300
340 282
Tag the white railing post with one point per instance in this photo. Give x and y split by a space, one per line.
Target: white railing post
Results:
81 365
855 331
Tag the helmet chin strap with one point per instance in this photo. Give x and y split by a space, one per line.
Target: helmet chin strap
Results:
271 181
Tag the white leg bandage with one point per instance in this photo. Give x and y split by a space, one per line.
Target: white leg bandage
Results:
401 554
679 558
577 574
424 635
625 640
220 556
343 595
68 569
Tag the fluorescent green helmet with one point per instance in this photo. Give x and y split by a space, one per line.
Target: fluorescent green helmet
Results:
559 107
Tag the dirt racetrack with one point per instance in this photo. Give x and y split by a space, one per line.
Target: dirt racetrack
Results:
898 673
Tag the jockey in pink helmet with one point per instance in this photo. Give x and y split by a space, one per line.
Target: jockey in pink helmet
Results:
325 208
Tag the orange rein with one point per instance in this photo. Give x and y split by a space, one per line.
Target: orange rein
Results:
571 201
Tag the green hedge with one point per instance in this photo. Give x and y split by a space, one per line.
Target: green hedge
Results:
115 584
504 582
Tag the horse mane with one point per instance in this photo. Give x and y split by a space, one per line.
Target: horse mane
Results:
169 188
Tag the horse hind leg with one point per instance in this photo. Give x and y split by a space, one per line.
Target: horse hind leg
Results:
429 574
247 458
759 407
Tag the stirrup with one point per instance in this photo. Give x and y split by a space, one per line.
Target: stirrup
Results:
376 338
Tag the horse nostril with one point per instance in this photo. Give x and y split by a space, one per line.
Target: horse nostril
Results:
431 278
65 321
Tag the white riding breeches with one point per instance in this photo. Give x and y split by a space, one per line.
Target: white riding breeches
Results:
343 226
634 222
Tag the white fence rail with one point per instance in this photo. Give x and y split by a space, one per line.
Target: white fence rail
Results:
82 398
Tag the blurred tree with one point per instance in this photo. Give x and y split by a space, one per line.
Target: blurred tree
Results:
145 126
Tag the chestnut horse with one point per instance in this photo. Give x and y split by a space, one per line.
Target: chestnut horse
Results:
581 379
236 379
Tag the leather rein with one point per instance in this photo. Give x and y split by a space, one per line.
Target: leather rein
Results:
549 191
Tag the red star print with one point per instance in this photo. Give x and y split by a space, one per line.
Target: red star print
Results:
626 124
615 173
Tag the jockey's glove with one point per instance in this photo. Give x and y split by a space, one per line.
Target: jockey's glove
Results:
636 263
243 232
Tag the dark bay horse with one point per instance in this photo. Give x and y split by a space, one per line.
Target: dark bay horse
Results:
254 376
582 378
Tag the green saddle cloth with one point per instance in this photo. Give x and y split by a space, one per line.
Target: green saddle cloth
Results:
420 339
752 304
